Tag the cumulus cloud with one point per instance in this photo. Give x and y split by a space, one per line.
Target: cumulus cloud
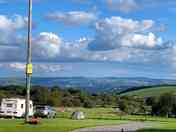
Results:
77 51
116 39
13 43
143 41
115 32
9 28
11 40
72 18
46 45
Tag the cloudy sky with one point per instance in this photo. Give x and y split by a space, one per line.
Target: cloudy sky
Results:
95 38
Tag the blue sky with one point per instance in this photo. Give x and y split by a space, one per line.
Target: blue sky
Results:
95 38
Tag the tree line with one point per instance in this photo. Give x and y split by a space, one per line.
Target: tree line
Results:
56 96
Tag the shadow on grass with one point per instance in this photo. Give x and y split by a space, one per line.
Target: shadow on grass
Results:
157 130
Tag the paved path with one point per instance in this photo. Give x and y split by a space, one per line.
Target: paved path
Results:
129 127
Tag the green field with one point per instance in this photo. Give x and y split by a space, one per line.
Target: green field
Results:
95 117
169 126
63 123
155 91
56 125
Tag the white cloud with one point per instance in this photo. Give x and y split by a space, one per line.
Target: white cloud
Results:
117 39
72 18
122 5
12 43
9 29
37 67
127 6
115 32
122 25
16 66
78 51
47 45
139 40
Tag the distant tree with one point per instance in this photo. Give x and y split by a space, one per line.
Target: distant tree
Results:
150 101
54 98
67 102
40 95
88 103
166 104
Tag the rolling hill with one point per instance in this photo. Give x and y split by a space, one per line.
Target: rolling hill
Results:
152 91
106 84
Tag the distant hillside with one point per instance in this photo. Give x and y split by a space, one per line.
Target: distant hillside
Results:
106 84
151 91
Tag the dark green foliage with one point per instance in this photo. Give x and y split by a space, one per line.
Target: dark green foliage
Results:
132 105
163 105
55 96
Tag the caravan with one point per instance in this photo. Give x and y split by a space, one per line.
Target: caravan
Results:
14 107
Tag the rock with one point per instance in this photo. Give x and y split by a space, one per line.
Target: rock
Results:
78 115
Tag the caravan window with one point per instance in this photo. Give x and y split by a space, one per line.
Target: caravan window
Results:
9 105
21 106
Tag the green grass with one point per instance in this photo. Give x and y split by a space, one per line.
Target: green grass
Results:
169 126
110 114
94 117
155 91
163 124
56 125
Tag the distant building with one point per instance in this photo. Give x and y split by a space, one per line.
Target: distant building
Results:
14 107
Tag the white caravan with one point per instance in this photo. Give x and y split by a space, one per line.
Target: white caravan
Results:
14 107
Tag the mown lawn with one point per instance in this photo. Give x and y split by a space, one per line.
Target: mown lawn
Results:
110 114
167 126
56 125
160 124
94 117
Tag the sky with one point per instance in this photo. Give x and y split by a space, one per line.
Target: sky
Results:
90 38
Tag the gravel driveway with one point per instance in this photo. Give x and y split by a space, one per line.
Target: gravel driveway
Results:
129 127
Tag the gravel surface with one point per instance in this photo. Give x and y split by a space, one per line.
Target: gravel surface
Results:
129 127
